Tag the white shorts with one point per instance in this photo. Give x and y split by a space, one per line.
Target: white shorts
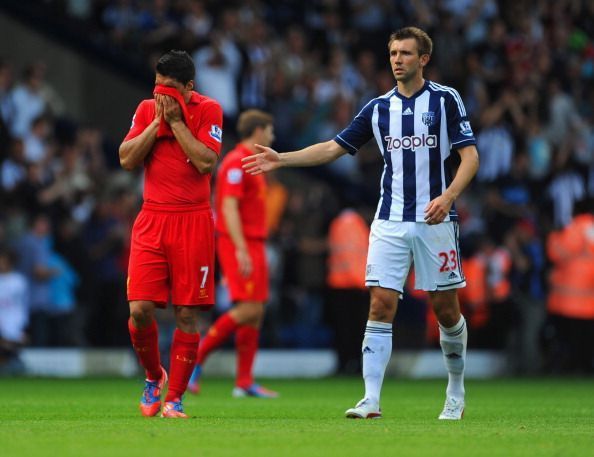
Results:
393 246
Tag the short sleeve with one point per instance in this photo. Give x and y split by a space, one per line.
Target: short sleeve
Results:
210 129
358 132
459 129
141 119
231 179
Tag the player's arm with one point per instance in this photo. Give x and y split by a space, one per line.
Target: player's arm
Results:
268 159
133 151
203 158
438 208
232 218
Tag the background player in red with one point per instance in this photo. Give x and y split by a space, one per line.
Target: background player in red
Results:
241 233
177 136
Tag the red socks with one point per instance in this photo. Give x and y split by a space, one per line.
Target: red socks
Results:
183 359
183 356
246 342
146 345
217 335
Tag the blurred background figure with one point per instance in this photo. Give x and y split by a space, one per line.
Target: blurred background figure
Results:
571 297
14 313
348 299
34 248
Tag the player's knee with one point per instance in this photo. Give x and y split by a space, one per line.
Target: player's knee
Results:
249 313
141 314
382 309
186 320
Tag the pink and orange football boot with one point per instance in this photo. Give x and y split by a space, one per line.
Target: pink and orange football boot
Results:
150 403
174 409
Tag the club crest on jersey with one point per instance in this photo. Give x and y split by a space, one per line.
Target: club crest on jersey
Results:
216 132
428 118
465 128
234 175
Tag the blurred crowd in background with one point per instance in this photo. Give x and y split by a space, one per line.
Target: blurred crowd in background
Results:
525 70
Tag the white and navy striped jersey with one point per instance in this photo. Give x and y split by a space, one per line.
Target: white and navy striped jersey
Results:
415 136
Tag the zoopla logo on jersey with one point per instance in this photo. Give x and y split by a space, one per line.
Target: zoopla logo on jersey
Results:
411 142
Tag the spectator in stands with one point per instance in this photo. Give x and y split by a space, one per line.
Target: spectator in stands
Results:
104 236
529 292
6 103
34 249
121 19
14 313
61 315
219 66
13 169
197 20
36 141
566 187
28 101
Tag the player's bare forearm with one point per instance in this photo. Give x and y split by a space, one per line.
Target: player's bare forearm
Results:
133 152
314 155
268 159
438 208
469 164
232 219
203 158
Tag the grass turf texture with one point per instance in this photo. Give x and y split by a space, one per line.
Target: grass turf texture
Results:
100 417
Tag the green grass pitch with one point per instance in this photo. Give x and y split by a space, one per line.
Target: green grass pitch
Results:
100 417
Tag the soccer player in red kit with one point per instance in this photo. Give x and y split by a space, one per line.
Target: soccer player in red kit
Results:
241 234
177 137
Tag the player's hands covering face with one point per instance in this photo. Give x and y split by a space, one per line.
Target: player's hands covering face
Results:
158 106
171 110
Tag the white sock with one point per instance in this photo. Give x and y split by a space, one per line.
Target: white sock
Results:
453 345
376 349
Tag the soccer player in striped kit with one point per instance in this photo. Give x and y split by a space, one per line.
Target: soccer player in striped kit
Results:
415 125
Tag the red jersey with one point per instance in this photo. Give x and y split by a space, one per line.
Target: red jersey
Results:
170 178
250 190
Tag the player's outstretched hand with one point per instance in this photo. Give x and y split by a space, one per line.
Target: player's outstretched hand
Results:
266 160
437 210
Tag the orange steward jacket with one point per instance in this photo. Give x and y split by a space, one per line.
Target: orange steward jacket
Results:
348 241
572 279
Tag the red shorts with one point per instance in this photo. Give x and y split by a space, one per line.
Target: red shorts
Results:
252 288
172 256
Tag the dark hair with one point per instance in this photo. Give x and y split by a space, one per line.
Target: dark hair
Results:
424 43
177 65
250 120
